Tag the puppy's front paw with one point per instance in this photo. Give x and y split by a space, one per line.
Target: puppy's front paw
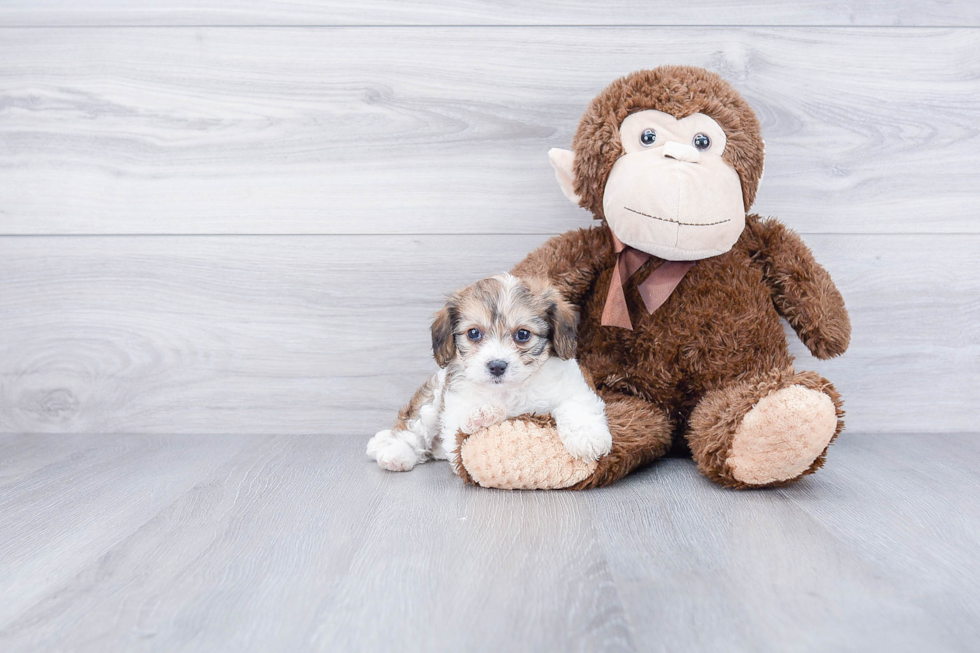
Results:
396 456
585 435
482 417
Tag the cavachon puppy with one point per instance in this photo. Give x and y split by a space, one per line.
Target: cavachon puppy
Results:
505 347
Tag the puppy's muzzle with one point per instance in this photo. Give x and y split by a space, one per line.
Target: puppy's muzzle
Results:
497 367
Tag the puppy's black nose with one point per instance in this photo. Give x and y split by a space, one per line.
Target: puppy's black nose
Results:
497 368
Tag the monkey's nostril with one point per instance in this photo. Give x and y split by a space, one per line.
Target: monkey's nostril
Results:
681 152
497 367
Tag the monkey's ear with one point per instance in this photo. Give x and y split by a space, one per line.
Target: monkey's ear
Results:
564 327
444 334
563 161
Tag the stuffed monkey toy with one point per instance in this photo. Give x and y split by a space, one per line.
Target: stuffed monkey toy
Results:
680 291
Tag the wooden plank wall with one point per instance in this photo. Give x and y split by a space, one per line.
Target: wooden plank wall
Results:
223 217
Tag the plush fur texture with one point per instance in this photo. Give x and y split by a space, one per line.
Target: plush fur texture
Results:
782 435
696 367
720 416
529 457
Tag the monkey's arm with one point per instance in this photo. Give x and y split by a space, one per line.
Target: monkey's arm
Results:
802 290
570 261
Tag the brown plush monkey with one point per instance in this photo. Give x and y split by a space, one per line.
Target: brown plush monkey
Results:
680 292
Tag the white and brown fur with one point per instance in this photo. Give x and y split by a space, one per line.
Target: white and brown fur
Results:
470 392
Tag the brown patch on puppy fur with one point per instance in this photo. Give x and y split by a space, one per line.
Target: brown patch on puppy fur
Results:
444 331
424 395
564 322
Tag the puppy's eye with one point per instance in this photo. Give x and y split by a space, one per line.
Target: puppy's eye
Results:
474 334
522 335
702 142
648 137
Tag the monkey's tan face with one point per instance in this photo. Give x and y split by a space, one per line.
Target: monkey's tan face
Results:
672 194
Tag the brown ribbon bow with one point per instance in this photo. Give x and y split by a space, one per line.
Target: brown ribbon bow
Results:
654 290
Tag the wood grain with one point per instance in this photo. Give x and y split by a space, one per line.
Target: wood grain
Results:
445 130
303 523
24 453
307 507
484 12
300 543
308 334
913 526
50 529
503 571
371 157
795 569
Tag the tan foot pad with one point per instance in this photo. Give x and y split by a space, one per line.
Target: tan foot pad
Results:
521 455
782 435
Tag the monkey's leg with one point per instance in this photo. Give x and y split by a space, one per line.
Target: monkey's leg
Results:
526 453
766 431
641 433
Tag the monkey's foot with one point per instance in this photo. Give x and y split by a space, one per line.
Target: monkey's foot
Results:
767 431
524 453
782 436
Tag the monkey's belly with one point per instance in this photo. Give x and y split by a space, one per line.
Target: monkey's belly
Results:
705 335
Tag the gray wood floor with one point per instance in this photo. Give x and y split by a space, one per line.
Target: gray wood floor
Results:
294 543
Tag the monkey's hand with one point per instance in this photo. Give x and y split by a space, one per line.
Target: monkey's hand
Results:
802 290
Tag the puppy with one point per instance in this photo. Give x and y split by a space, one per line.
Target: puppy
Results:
505 347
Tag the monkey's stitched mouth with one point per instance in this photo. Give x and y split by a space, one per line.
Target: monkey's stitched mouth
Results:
685 224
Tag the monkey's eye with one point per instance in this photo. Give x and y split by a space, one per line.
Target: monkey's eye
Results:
702 142
648 137
522 335
474 334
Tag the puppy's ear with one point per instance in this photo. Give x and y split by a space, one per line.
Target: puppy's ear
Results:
564 326
444 332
